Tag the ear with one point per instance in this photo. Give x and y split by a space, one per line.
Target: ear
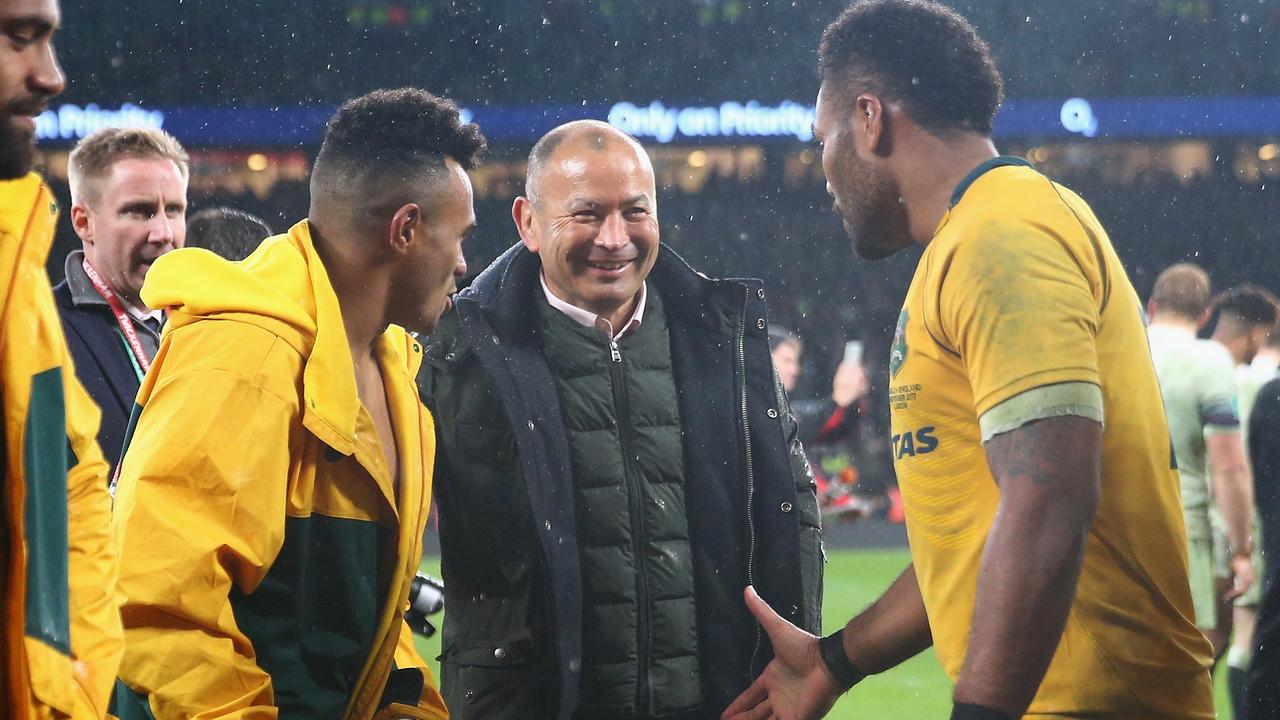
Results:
80 223
522 214
871 124
406 228
1258 335
1205 316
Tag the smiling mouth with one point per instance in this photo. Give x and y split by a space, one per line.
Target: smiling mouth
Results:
608 266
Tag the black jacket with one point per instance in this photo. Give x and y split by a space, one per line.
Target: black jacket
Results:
1264 455
512 635
102 361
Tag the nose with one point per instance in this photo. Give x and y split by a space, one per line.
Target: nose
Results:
161 229
460 269
46 76
613 232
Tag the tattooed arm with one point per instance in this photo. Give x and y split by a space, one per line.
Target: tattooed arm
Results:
1048 472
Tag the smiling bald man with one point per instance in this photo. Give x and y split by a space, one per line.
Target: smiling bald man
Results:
615 460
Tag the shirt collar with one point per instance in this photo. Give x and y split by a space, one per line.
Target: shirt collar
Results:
586 318
83 292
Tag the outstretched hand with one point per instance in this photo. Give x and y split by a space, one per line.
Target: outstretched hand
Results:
796 685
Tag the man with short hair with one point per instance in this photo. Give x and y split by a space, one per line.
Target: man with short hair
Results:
617 460
60 641
1246 317
1048 564
1197 382
1246 326
128 205
275 484
824 420
229 233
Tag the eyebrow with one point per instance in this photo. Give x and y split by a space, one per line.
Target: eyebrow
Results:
40 24
580 200
149 203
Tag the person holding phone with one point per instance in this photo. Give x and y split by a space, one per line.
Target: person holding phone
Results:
825 420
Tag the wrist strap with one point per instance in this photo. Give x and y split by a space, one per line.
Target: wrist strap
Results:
965 711
838 664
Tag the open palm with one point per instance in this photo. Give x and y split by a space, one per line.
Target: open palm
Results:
796 685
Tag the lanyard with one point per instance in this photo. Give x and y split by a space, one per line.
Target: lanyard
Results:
139 356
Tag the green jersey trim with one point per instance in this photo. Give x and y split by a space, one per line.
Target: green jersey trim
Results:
1080 399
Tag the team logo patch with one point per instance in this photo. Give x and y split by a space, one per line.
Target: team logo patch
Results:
898 352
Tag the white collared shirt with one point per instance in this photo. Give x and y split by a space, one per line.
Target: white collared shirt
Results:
140 314
586 318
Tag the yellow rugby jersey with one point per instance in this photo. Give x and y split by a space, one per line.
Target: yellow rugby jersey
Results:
1021 290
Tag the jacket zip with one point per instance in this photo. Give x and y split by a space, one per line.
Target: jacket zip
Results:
751 480
636 501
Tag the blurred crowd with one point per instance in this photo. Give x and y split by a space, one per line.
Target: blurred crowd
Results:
783 234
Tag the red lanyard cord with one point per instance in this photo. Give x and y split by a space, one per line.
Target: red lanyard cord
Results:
125 322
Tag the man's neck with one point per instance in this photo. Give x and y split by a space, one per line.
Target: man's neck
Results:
362 296
930 176
617 317
1267 356
130 300
1174 322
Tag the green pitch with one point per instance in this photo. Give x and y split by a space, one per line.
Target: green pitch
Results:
854 578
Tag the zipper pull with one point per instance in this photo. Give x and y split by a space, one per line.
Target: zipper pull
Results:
613 351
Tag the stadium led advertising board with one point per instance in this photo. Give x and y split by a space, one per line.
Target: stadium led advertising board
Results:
659 122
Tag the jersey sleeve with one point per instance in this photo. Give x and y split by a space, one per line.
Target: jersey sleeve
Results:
1219 412
1016 305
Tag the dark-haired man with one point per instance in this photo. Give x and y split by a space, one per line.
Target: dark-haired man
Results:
274 487
616 462
226 232
60 639
1246 318
1048 568
1246 326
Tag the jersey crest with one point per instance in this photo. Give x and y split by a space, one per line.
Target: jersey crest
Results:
898 351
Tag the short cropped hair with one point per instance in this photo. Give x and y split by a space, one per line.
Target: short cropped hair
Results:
1250 305
1182 290
919 54
596 132
387 137
229 233
93 157
779 335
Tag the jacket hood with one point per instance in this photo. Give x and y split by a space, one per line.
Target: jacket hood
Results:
282 287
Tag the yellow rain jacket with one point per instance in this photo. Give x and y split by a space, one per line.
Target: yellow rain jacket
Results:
266 554
60 641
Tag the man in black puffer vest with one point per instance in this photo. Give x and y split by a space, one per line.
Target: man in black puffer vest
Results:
616 461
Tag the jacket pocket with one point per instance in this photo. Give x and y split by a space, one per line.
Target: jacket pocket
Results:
51 678
492 445
493 681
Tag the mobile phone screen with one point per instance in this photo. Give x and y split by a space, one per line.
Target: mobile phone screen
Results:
853 351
